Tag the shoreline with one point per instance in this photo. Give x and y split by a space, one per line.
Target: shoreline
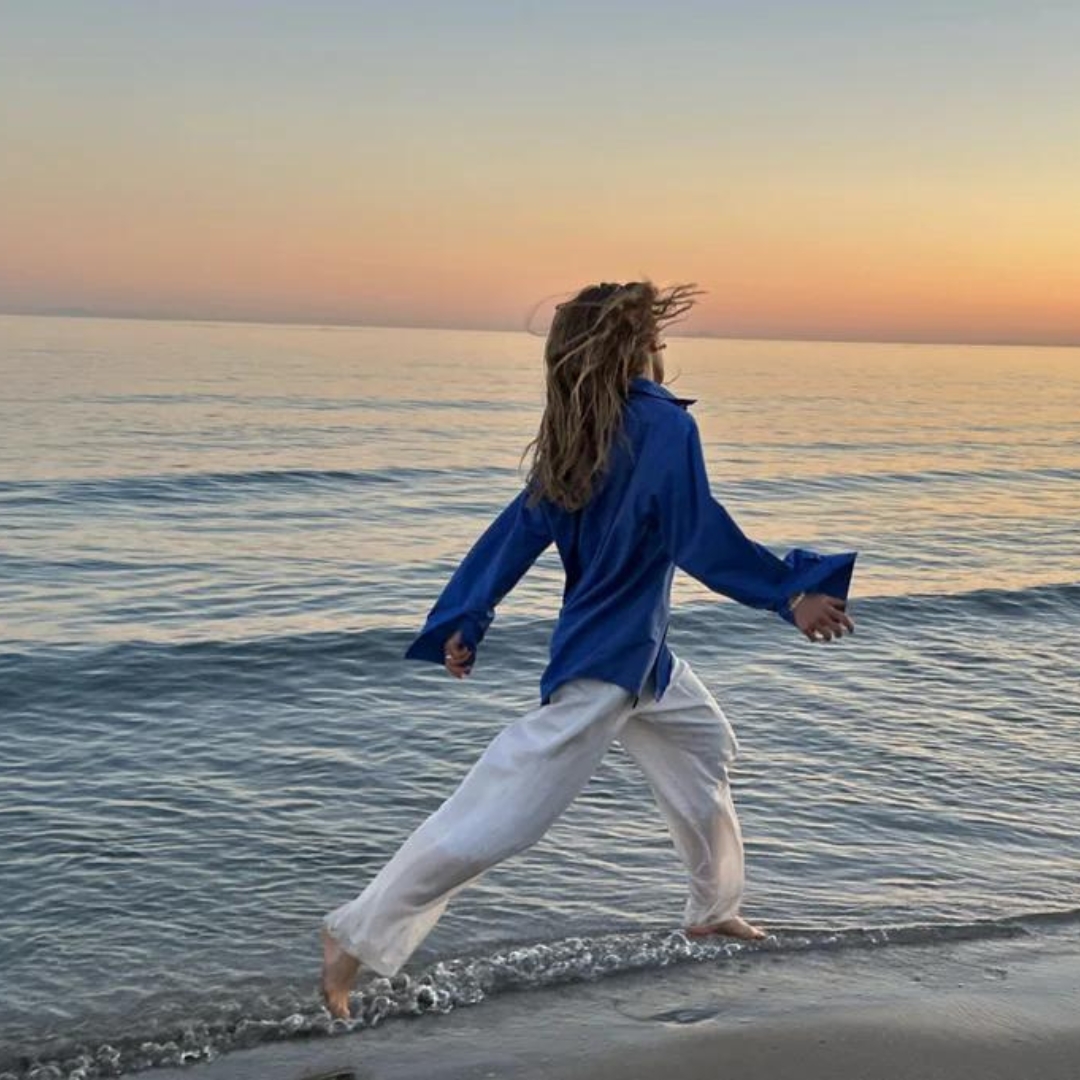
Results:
978 1010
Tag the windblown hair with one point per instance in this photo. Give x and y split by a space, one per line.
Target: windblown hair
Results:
598 342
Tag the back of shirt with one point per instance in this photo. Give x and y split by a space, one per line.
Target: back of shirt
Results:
651 512
616 601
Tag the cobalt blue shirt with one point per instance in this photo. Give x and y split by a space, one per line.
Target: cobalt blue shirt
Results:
651 513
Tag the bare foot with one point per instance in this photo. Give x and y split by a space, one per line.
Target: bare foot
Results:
338 974
736 927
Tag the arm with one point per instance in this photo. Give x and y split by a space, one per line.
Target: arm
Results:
493 566
703 539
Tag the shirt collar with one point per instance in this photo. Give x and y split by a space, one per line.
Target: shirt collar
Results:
641 385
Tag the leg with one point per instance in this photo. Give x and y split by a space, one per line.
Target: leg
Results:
683 744
524 780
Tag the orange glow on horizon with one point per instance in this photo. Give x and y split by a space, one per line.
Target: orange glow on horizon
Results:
421 233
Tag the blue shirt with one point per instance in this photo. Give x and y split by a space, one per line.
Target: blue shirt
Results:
651 513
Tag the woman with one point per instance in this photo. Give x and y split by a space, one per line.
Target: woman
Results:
618 483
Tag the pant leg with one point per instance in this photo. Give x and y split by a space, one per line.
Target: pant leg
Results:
683 744
524 780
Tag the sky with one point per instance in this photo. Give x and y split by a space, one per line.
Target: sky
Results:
905 171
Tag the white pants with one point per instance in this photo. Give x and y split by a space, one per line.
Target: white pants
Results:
528 776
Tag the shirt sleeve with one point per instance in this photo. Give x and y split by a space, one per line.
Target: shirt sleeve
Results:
493 566
702 538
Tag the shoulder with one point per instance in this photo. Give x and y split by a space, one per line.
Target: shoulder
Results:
666 440
661 420
659 408
642 389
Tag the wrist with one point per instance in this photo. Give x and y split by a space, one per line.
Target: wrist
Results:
795 601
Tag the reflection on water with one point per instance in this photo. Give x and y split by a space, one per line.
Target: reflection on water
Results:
143 458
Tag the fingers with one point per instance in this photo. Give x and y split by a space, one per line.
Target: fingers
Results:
457 656
832 621
456 649
458 668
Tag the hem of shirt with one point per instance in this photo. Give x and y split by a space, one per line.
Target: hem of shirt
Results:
635 689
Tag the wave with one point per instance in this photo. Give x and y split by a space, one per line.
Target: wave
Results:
53 676
837 481
470 980
223 485
1032 599
39 675
176 487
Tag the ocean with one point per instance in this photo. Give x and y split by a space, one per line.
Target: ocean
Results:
216 541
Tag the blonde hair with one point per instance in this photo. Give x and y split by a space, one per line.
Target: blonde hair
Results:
598 342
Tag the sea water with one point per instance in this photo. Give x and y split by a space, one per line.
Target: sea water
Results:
216 541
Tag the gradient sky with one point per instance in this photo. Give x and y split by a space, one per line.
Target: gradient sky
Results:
906 171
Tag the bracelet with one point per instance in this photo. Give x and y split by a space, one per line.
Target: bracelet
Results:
796 600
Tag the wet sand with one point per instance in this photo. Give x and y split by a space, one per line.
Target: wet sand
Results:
982 1011
865 1046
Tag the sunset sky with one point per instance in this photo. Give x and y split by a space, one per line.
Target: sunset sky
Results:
901 171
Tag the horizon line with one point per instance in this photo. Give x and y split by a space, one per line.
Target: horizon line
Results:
122 316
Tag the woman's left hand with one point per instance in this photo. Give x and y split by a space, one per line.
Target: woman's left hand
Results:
822 618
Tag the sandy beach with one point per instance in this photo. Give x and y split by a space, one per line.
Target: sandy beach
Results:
984 1010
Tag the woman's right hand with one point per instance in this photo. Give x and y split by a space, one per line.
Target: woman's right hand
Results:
458 657
821 617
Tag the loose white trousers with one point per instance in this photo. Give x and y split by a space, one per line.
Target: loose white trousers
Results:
528 776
